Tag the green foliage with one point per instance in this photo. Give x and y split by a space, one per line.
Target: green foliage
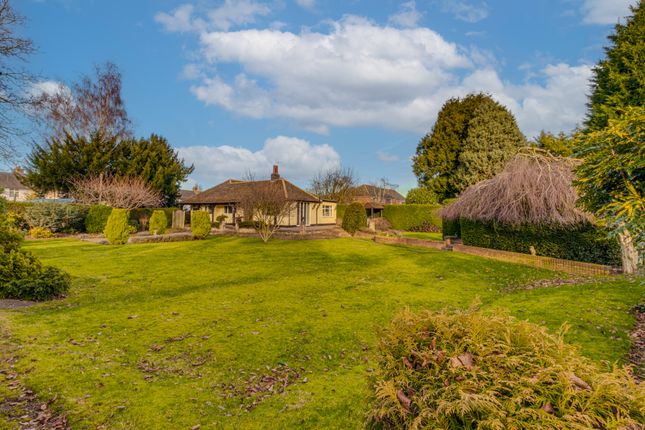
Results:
340 211
470 370
250 224
421 196
158 222
450 227
354 218
117 230
57 217
22 276
619 81
493 139
582 243
52 165
41 233
200 224
143 215
406 217
438 158
611 178
96 219
561 144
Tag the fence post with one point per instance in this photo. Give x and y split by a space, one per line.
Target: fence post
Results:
178 219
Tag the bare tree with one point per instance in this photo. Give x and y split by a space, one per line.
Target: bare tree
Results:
265 203
119 192
380 190
336 184
93 105
14 80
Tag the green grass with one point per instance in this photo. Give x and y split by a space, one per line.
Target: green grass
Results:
422 235
240 306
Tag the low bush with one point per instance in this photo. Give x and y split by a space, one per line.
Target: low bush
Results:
468 370
143 215
158 222
96 219
58 217
117 230
40 233
405 217
354 218
585 242
200 224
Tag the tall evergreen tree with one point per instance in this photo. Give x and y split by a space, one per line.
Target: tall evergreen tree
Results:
437 155
619 79
492 140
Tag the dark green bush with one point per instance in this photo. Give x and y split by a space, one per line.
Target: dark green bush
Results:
340 211
405 217
96 219
582 243
200 224
354 218
250 224
143 215
451 228
117 229
158 222
469 370
22 276
58 217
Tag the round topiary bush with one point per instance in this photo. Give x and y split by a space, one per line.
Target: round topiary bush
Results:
117 229
96 219
200 224
354 218
469 370
158 222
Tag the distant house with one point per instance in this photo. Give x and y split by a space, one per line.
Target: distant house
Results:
306 209
374 198
12 189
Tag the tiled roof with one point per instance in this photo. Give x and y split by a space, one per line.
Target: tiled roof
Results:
232 190
372 191
9 181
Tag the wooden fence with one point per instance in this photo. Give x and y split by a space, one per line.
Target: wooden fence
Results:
557 264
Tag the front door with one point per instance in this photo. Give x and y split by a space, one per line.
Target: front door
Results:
303 213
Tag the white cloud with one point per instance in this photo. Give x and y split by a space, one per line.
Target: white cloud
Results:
229 14
465 11
48 87
407 17
307 4
298 159
387 157
605 11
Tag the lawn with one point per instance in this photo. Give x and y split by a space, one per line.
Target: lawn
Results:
172 335
422 235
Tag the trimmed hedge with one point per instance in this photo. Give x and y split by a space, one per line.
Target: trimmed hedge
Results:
586 242
200 224
354 218
471 370
117 229
96 219
451 228
144 214
405 217
340 211
158 222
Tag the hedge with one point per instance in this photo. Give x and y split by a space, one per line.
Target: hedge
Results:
450 228
586 242
96 219
405 217
340 211
146 213
354 218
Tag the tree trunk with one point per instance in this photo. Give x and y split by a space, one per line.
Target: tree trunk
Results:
628 251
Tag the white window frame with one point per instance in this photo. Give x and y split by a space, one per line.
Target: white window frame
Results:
326 208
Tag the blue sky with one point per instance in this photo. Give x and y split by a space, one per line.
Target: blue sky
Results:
237 85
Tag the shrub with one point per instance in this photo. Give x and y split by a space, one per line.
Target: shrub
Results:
405 217
96 219
143 215
200 224
158 222
451 227
421 195
585 242
425 227
354 218
40 233
340 211
117 229
468 370
58 217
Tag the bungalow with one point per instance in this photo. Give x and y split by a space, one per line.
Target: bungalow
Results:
12 189
306 209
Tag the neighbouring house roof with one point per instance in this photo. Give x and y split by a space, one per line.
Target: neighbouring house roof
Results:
9 181
373 205
232 190
374 192
184 194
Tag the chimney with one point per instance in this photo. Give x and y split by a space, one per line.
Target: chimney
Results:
275 175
